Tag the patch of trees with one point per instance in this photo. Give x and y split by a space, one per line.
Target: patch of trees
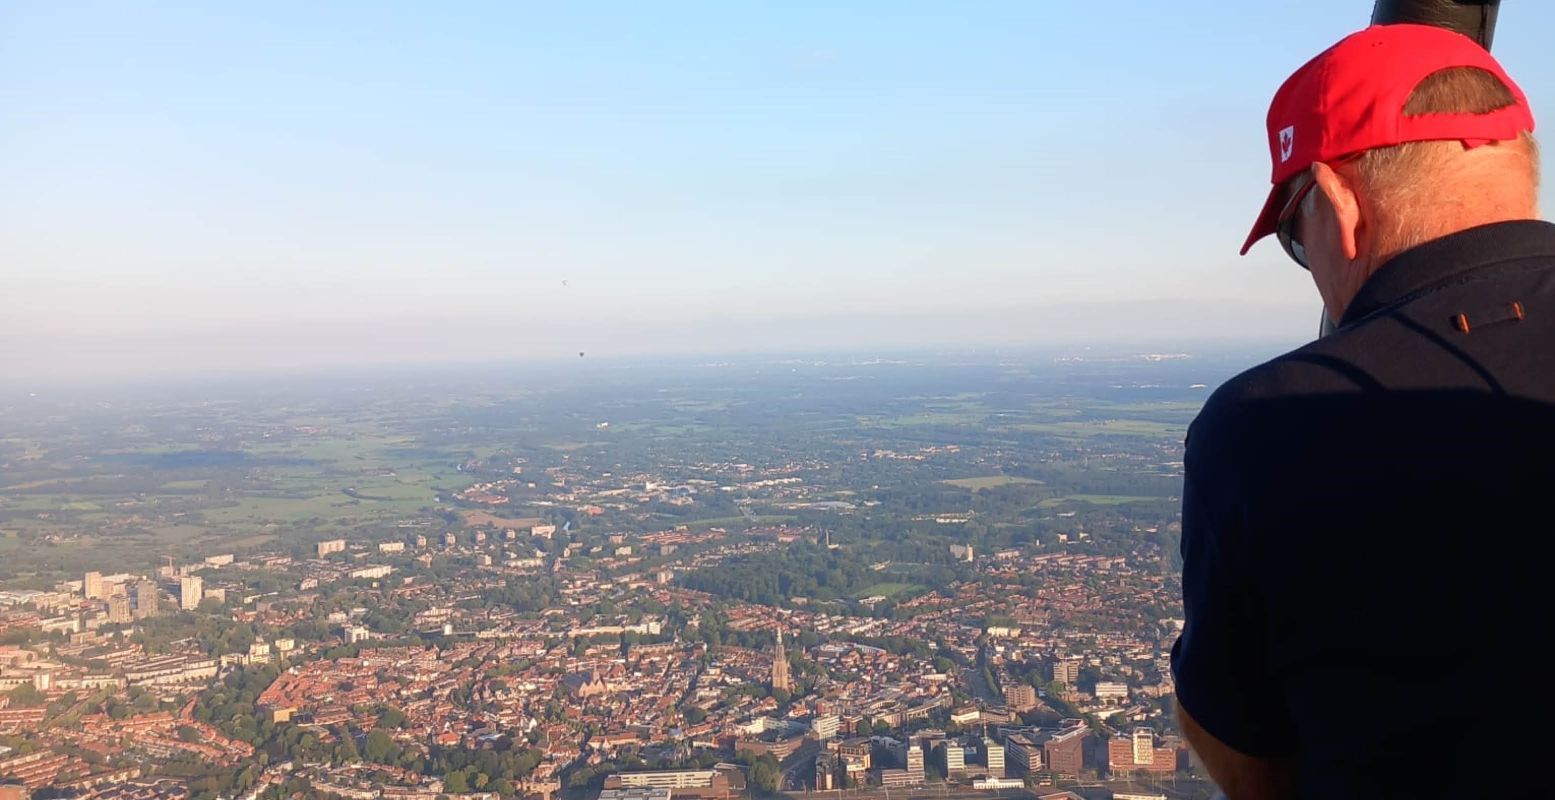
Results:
497 770
27 696
765 772
214 634
229 705
802 570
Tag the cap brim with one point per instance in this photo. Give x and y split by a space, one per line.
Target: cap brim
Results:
1268 219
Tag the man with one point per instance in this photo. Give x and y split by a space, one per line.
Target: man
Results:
1366 519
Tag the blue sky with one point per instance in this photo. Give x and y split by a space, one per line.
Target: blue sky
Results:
197 186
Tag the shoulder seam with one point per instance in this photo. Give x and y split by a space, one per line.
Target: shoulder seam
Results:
1477 276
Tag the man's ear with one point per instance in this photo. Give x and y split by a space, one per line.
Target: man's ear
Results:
1347 208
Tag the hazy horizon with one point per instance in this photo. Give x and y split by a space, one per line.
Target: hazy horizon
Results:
193 189
461 377
448 342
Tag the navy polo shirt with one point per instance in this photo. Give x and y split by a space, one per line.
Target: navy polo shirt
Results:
1367 579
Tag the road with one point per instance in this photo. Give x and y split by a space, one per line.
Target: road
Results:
980 688
797 767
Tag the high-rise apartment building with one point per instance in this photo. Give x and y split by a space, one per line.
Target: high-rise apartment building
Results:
912 775
993 758
1144 745
1020 697
191 590
148 598
119 610
953 757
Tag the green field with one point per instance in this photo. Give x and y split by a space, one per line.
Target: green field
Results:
1097 500
698 406
173 535
249 541
184 478
139 509
1184 409
40 484
1057 420
328 507
989 482
740 522
1106 427
961 418
345 451
888 590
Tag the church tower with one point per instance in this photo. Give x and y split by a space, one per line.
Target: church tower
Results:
779 666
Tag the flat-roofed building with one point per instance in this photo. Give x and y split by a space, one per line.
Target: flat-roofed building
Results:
682 782
915 762
1022 752
649 793
663 779
1138 753
993 757
1020 697
1112 692
952 757
1064 754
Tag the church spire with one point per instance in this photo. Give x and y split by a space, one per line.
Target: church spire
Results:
779 665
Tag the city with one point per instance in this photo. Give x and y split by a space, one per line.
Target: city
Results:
912 602
773 401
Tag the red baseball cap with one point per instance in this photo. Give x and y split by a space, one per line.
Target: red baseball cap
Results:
1351 98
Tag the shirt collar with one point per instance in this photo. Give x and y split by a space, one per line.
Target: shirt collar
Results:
1450 256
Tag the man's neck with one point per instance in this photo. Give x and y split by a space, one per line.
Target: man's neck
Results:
1408 235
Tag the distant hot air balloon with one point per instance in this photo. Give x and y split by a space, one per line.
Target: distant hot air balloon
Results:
580 354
